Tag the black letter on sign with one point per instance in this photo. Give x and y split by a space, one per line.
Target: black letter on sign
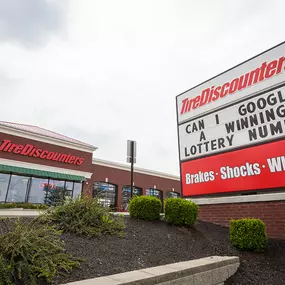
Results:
217 119
202 136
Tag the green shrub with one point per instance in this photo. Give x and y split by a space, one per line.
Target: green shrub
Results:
5 272
84 216
180 212
248 234
145 208
31 251
23 205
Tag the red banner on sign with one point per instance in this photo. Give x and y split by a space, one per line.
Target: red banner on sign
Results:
258 167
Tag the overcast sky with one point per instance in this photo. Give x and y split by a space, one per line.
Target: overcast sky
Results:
107 71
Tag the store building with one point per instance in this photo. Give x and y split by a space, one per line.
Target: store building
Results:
113 180
35 162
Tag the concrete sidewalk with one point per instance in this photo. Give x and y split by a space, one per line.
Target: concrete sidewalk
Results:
19 212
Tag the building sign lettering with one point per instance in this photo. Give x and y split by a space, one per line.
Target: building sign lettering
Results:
32 151
255 120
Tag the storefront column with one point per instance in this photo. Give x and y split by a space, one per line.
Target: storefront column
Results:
87 188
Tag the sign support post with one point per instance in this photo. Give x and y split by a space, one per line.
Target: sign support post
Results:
131 158
132 176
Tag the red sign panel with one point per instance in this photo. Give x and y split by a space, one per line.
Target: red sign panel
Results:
253 168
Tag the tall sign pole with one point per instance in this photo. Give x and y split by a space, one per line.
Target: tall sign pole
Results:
132 175
131 158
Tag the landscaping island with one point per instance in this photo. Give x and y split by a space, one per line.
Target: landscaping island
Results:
151 243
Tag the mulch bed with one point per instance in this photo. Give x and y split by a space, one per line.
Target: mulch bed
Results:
148 244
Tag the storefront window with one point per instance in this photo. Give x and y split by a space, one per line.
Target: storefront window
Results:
4 181
56 184
17 189
106 194
37 190
126 195
154 192
172 194
77 189
56 192
69 185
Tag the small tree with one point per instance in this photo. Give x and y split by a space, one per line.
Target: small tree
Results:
55 196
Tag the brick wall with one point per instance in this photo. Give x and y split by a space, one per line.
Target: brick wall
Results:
121 177
272 214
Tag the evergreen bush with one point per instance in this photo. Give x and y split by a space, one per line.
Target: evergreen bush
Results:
248 234
31 251
180 212
84 216
5 272
145 208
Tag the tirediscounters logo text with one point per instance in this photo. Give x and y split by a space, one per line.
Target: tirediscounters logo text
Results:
211 94
232 135
32 151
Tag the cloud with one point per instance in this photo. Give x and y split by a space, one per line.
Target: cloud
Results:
6 80
30 22
117 75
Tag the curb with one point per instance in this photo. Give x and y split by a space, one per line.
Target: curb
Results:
214 270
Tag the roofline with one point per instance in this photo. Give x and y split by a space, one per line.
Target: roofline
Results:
47 139
126 167
35 126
